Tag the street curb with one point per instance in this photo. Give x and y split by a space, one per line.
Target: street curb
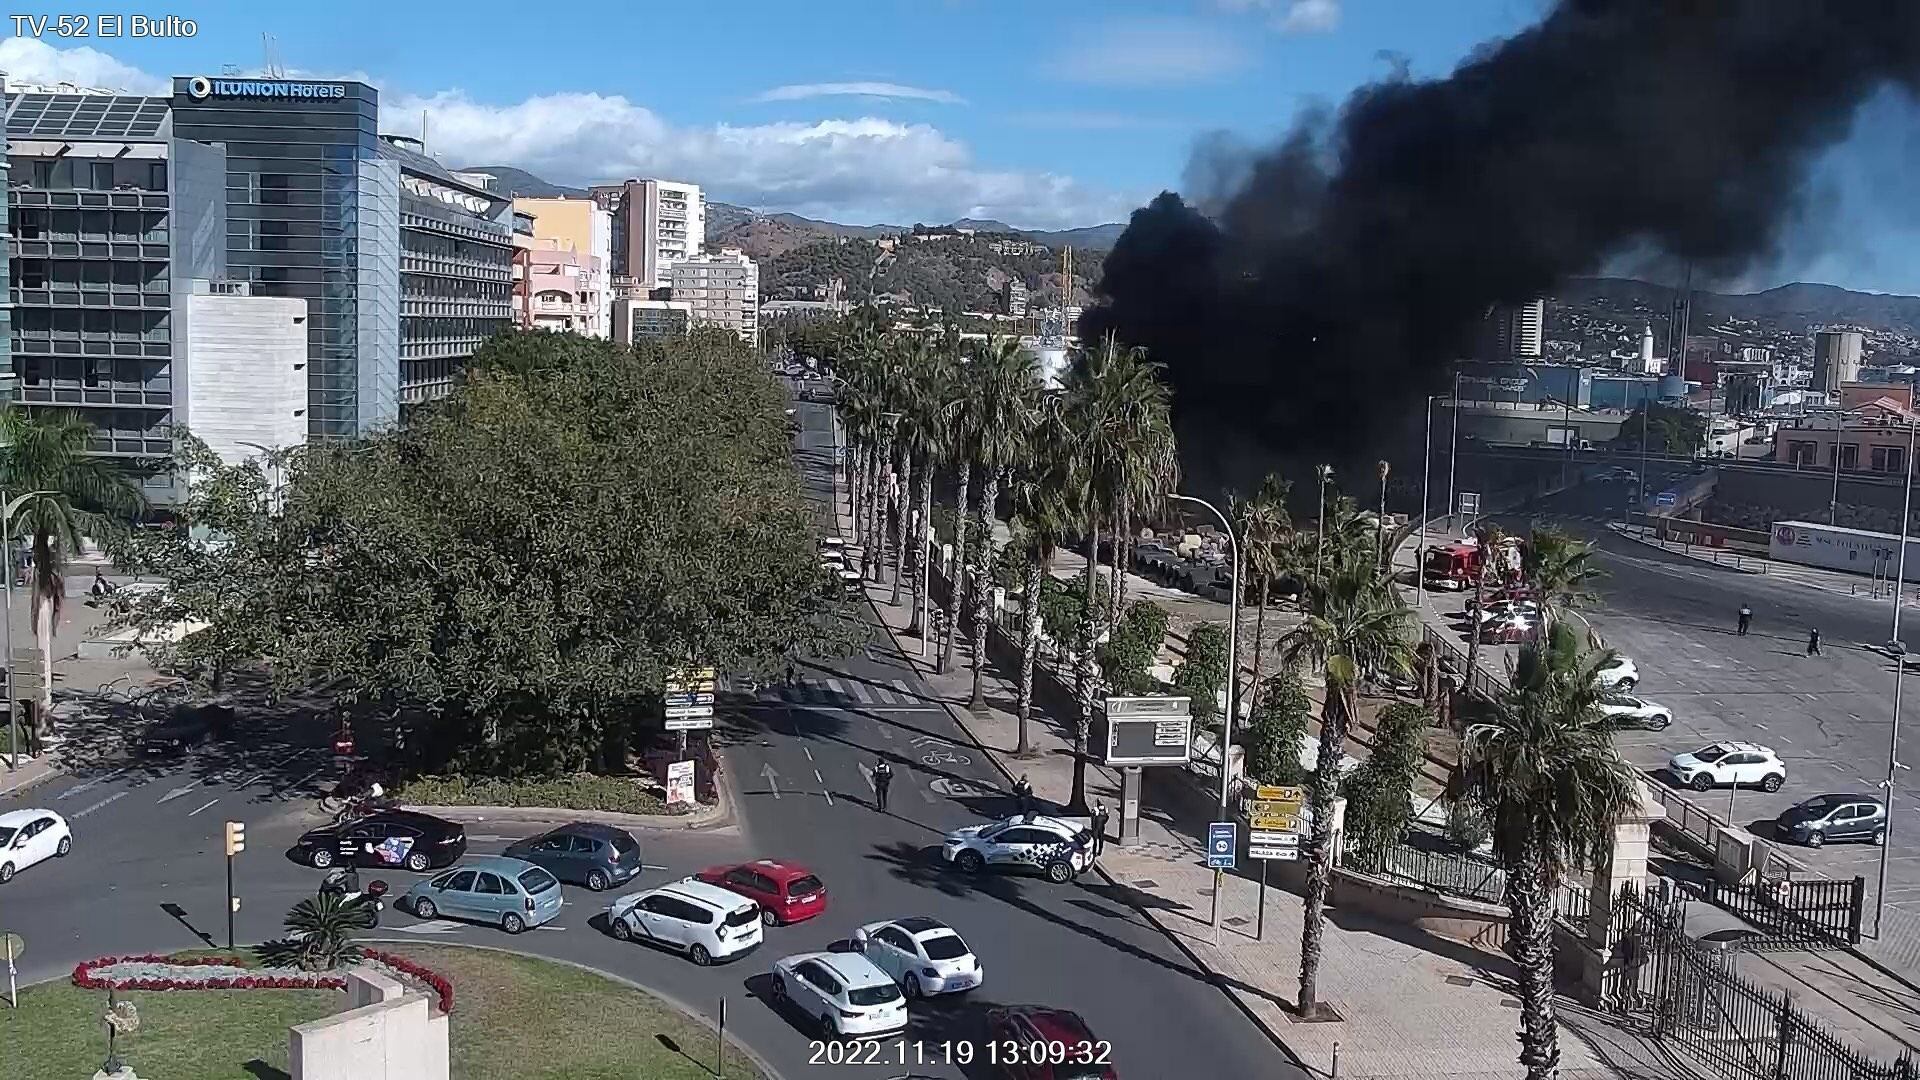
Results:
1214 977
1884 969
1618 530
717 816
682 1007
48 773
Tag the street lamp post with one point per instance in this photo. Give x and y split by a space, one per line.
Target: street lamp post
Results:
1320 521
1426 476
1453 446
1233 679
6 637
1899 673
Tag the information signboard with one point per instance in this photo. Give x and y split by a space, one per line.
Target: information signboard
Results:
1147 731
1221 840
680 783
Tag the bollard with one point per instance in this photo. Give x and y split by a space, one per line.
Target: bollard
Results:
1335 1075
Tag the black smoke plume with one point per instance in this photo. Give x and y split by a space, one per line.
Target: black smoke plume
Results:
1309 312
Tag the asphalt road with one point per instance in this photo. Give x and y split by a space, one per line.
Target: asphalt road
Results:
1829 717
147 873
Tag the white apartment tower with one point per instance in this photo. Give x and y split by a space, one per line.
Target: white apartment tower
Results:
721 290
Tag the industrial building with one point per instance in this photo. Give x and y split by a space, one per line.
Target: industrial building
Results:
1836 359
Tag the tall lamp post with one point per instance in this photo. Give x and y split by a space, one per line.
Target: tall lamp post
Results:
1233 675
1426 475
1320 522
1899 674
1453 445
7 511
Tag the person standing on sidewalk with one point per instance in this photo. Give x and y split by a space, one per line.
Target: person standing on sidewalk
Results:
1746 619
1023 794
882 780
1813 642
1099 827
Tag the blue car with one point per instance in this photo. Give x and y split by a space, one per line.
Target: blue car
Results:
512 894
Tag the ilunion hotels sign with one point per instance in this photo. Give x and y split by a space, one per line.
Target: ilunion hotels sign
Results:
200 88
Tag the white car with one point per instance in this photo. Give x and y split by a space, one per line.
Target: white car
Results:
1723 763
704 921
845 991
1625 710
1055 848
1622 674
923 955
1506 610
31 836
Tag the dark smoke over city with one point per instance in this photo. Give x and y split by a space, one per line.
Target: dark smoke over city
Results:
1309 312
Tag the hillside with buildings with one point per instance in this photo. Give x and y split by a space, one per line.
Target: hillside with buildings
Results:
932 268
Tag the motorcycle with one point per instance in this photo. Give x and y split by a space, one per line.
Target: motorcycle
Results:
344 882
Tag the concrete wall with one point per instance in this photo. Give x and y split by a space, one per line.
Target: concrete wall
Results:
388 1033
247 366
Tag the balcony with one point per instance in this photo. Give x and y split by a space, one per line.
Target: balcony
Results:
562 307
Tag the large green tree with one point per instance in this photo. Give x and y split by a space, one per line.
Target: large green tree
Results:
509 581
1543 769
66 495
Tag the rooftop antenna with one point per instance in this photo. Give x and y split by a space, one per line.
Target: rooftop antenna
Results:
266 50
423 131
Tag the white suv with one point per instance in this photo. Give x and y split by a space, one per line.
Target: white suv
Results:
1724 763
704 921
922 954
1622 674
1627 711
1023 842
845 991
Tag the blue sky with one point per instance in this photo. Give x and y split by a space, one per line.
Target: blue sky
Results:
1043 115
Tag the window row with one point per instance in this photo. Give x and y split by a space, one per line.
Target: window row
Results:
80 174
41 273
95 372
149 226
126 325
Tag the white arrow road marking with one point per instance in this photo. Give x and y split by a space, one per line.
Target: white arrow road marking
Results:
177 792
772 784
436 926
807 752
98 780
203 806
96 806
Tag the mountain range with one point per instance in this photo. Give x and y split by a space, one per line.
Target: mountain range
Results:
731 225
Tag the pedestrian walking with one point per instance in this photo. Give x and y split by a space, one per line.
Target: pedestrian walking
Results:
793 673
1023 793
882 780
1813 642
1746 619
1099 827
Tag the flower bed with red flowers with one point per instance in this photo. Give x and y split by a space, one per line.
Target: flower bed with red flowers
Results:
152 971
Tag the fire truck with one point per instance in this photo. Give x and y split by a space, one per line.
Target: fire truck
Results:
1455 566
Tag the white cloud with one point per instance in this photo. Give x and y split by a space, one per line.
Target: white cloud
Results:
32 61
1147 52
887 90
855 170
1289 16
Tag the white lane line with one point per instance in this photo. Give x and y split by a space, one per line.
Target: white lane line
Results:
487 838
96 806
822 779
177 793
651 866
95 782
866 772
807 752
1784 739
202 806
1855 715
1759 725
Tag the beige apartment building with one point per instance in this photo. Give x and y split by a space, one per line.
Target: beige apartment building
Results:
562 227
721 289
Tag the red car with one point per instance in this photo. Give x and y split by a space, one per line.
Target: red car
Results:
1036 1043
786 892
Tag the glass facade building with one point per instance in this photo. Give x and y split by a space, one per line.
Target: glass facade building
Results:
312 210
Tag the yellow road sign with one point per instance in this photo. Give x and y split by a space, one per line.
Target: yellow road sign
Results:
1276 793
1273 822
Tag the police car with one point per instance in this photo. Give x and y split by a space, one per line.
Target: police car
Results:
1025 842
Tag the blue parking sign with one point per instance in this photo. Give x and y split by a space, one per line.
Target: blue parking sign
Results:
1222 839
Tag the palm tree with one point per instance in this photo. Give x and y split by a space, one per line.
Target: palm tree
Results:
1545 772
1006 381
1356 630
1042 501
1116 408
73 495
1492 541
1560 570
1264 524
1380 522
320 930
961 431
927 390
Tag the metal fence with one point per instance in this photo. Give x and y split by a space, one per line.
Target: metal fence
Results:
1692 998
1797 913
1469 877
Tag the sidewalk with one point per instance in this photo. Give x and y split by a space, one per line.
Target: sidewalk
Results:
1412 1006
1813 577
1866 995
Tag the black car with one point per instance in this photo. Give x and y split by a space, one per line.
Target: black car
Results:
389 838
1834 817
583 853
185 730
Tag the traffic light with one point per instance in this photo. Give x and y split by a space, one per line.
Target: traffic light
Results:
236 837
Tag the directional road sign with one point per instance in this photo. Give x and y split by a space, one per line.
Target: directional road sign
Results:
1269 820
1221 840
689 723
1284 846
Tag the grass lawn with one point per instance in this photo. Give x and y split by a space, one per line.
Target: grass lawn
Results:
514 1018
